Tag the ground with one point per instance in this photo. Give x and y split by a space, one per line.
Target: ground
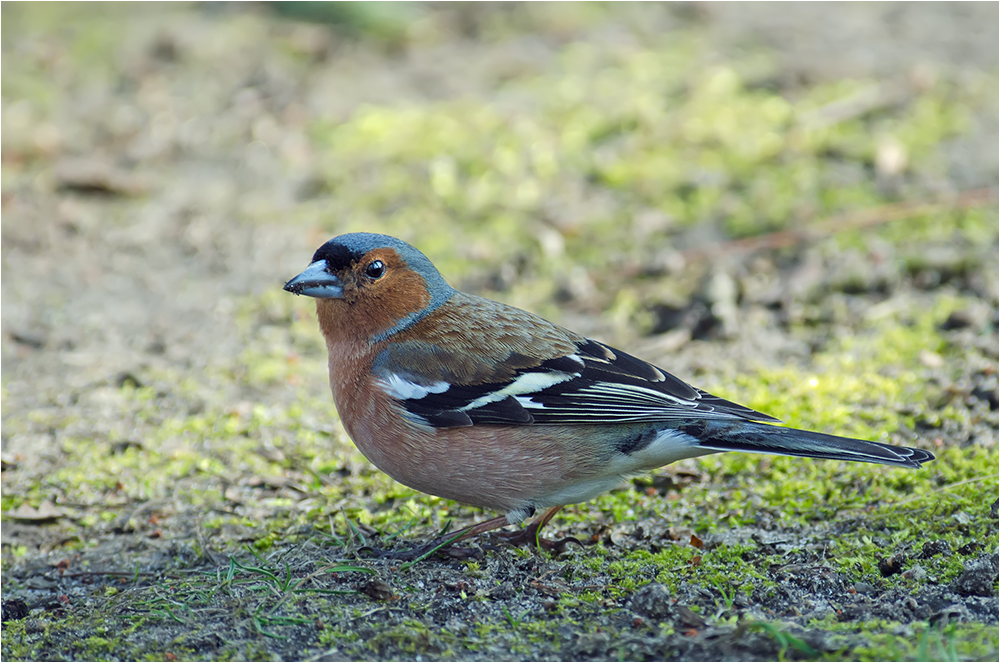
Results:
790 205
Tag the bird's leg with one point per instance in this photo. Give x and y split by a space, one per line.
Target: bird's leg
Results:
482 528
529 535
443 544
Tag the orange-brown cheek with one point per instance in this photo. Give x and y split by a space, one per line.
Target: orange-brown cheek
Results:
393 301
373 310
363 314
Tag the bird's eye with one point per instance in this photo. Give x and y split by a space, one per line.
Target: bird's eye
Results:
375 269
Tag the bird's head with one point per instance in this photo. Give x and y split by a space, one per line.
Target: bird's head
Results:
370 285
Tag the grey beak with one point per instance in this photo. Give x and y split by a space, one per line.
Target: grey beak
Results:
315 281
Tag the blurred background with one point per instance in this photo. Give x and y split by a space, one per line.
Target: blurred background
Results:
577 159
793 205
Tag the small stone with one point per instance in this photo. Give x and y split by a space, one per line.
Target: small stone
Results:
722 293
652 601
979 577
863 588
378 590
504 592
32 626
931 359
952 613
591 645
932 548
890 157
690 618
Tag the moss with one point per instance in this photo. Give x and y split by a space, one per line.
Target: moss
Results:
695 147
918 641
575 175
97 647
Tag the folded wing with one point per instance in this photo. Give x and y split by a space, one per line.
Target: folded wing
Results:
595 384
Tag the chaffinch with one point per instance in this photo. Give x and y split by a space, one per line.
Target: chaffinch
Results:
483 403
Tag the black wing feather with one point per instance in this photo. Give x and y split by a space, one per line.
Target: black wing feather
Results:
595 385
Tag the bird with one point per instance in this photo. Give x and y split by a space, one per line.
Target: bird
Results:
479 402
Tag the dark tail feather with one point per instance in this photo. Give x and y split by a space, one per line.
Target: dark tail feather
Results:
765 439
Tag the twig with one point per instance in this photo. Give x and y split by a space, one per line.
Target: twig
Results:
865 218
859 104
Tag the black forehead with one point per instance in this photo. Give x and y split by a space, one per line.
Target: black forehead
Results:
337 256
341 251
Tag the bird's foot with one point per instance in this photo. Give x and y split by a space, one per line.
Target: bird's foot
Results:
443 546
529 537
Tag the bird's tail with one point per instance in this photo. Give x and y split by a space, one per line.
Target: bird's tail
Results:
767 439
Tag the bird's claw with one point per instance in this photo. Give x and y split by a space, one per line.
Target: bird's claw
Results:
559 547
529 536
